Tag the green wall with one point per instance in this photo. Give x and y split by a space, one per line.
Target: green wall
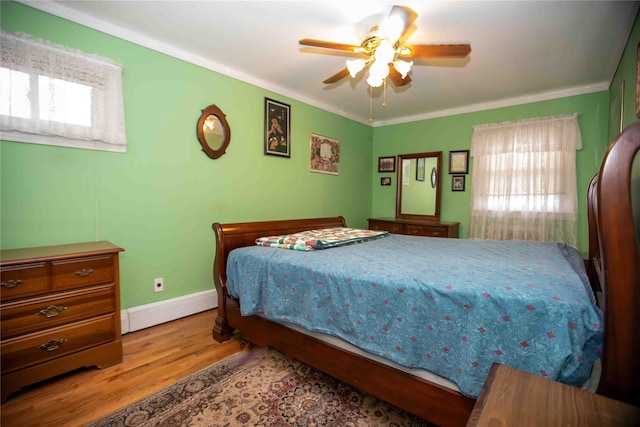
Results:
159 199
454 133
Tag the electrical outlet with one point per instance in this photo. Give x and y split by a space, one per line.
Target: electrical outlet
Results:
158 284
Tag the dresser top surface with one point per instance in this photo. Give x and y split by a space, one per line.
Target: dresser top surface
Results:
49 253
512 397
415 221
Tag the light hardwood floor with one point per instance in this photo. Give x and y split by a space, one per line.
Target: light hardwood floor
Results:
153 358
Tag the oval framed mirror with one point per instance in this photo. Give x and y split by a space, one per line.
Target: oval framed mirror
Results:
418 186
213 132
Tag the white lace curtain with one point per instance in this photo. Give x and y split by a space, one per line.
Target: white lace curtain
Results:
524 180
59 92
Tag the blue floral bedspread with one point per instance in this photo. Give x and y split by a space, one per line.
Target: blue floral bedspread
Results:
450 306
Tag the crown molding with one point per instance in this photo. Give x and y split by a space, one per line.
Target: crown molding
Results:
107 27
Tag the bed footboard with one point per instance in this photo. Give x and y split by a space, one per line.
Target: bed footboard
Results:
237 235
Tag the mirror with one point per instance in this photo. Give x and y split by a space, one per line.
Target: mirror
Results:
418 194
213 132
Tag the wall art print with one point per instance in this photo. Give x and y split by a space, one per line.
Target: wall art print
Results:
277 126
324 154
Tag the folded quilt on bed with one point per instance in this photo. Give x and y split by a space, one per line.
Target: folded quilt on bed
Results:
320 239
450 306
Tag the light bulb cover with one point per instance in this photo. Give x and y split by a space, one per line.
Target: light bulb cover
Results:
384 52
355 66
403 67
373 82
379 70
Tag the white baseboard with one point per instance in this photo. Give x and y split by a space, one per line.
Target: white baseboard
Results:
145 316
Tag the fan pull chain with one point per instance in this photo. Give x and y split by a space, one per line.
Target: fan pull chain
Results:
384 91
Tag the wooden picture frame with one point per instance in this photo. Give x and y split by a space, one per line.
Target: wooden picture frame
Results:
637 81
277 128
385 181
387 164
616 113
457 182
324 153
459 162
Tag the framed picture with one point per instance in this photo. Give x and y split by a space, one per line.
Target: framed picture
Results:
459 161
324 154
386 164
277 125
420 169
385 180
638 82
616 113
457 183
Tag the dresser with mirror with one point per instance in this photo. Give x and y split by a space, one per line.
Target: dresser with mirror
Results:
418 199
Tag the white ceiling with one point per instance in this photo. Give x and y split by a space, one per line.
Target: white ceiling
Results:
520 51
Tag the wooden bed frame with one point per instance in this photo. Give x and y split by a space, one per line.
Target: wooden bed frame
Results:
614 263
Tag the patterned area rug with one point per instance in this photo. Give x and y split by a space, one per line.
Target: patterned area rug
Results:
260 387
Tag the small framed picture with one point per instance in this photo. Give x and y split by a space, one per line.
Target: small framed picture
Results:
420 169
385 180
457 183
386 164
459 162
277 127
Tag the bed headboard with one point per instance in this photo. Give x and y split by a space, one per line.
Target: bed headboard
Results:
615 261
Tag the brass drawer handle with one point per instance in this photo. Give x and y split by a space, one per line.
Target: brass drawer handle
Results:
53 344
10 284
52 311
84 272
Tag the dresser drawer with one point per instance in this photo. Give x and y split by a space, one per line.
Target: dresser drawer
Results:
391 227
423 230
34 314
23 280
78 272
38 347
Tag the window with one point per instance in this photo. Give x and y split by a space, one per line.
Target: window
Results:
50 94
524 180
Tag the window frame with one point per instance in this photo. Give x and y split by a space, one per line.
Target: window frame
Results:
103 76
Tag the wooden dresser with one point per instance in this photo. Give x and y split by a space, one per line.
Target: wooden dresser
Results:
60 310
415 227
511 397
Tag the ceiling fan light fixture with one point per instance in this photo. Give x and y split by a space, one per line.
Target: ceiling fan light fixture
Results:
378 71
373 81
403 67
355 66
384 53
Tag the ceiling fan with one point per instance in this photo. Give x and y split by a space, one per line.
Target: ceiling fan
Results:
384 50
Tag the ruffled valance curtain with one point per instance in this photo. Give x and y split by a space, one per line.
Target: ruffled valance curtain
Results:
42 81
524 180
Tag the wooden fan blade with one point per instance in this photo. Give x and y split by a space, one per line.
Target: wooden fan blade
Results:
436 51
329 45
407 15
337 76
396 78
